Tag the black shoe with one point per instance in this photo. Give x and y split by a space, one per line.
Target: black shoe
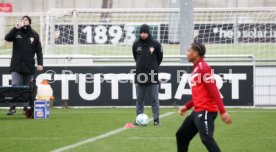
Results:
25 109
135 123
12 111
156 122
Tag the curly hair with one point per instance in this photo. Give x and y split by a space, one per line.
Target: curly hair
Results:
200 48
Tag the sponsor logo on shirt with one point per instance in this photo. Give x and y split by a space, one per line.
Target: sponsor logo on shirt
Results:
139 49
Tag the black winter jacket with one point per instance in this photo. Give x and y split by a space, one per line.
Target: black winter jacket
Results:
26 44
148 55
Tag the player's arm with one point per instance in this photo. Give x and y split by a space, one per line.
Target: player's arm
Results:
11 35
39 55
159 53
185 107
213 91
134 51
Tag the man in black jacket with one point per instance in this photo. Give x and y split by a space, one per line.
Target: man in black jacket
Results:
26 44
148 55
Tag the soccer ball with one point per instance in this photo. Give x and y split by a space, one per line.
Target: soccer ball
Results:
142 120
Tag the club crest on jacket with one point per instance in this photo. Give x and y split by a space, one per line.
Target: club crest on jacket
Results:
32 40
151 50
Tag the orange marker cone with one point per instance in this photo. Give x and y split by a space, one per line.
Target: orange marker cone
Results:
129 125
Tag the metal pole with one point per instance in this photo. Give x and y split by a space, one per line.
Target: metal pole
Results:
173 27
52 34
236 25
42 29
76 32
186 26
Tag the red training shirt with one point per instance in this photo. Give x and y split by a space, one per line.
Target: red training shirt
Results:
205 94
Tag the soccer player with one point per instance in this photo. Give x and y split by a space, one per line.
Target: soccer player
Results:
26 44
206 101
148 55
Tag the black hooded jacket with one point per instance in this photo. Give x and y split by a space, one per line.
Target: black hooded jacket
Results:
148 55
26 44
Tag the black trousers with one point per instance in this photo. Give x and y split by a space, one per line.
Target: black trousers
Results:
21 79
197 122
148 93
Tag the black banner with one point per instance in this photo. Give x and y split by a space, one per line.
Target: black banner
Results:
101 33
245 33
213 33
256 33
203 33
112 85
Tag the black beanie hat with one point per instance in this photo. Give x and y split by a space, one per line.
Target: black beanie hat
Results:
200 48
145 29
28 17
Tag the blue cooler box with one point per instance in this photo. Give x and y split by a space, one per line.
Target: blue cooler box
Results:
41 109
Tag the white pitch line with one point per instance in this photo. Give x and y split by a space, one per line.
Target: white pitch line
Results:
93 139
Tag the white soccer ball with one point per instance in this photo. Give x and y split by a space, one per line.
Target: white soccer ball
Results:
142 120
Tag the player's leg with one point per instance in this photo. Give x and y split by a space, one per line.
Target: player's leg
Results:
27 79
17 79
205 123
153 90
185 134
140 93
